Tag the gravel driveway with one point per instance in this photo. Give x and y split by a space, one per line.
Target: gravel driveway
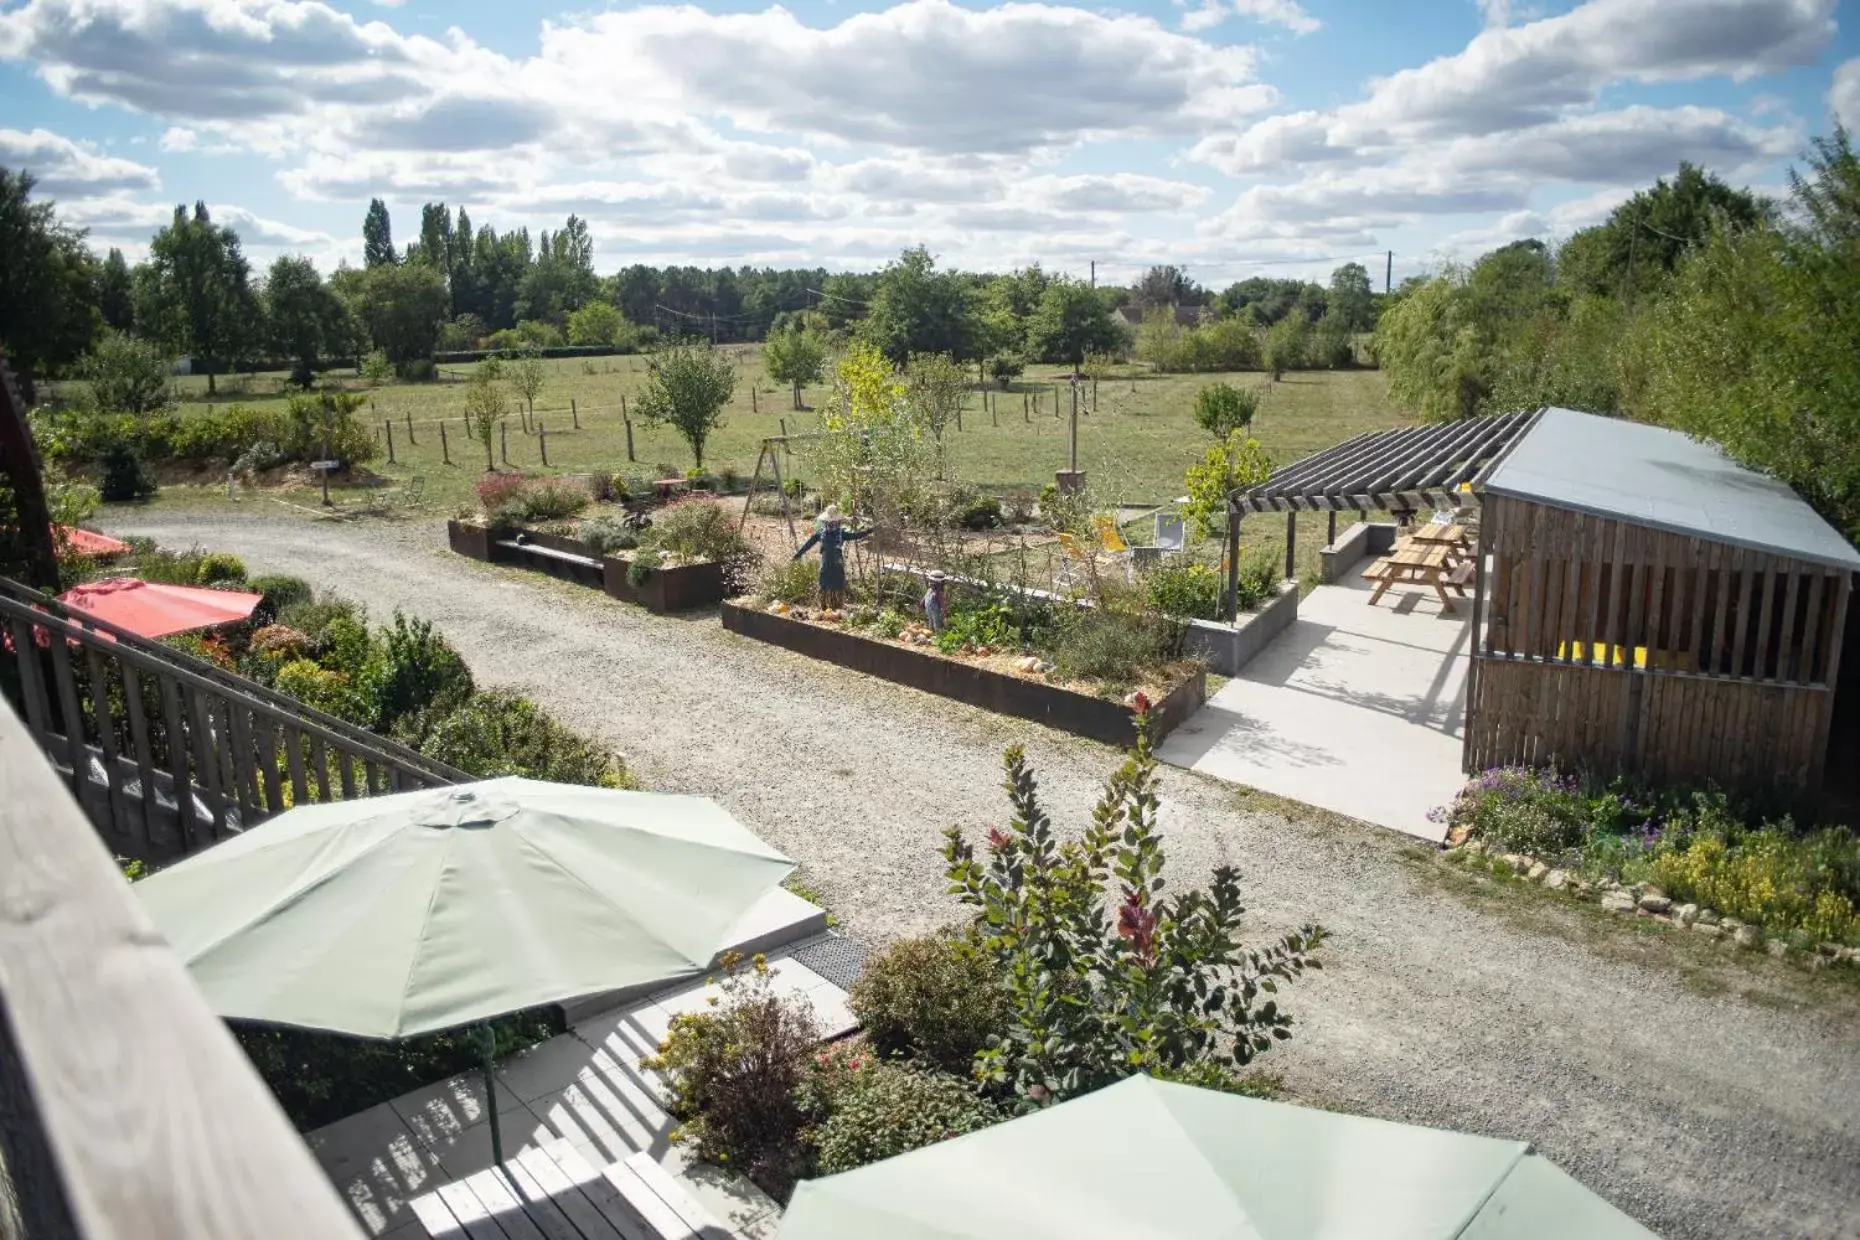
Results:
1706 1094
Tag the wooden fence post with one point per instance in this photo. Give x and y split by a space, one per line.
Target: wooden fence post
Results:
1025 414
574 413
445 451
503 441
629 438
752 399
411 441
958 417
390 441
542 440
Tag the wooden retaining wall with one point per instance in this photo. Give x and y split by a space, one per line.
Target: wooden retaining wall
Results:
1064 709
1619 648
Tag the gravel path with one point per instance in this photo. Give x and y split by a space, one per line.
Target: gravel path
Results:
1706 1094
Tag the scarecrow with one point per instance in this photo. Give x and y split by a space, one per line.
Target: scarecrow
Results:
832 536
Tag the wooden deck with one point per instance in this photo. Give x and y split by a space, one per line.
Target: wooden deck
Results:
551 1192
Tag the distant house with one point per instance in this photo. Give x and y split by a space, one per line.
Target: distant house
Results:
1185 316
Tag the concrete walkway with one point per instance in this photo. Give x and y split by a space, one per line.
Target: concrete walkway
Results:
1354 708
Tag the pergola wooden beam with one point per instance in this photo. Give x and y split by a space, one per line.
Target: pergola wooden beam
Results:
1401 470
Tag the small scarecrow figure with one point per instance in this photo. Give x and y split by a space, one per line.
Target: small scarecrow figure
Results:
832 536
936 604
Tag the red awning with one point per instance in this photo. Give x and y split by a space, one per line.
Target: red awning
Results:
89 542
156 609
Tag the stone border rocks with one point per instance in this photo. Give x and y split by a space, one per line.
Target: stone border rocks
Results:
1647 900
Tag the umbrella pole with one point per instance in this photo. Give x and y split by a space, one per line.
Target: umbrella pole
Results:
487 1043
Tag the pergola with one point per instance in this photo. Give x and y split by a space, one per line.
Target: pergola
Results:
1402 471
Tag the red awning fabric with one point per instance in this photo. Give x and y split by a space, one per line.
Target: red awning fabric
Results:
89 542
156 609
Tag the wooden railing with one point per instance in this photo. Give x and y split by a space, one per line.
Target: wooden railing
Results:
126 1108
169 754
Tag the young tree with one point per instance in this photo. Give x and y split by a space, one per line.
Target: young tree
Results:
116 293
527 376
1159 340
795 356
128 375
1073 319
934 386
1233 463
1006 367
48 310
202 289
687 387
1166 287
1221 409
306 320
378 236
485 406
1286 343
1351 298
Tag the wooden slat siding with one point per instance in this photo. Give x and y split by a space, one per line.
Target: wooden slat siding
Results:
1570 616
294 758
1789 627
69 715
1654 629
1740 632
1611 620
1837 632
1705 555
1600 539
192 836
32 679
1725 584
1814 662
1474 649
1761 668
106 736
197 1150
143 750
207 766
319 762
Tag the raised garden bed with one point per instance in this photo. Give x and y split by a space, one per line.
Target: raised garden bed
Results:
675 588
1006 693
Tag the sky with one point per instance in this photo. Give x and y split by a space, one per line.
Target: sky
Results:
1229 137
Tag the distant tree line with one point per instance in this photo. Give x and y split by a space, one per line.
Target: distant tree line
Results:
1694 305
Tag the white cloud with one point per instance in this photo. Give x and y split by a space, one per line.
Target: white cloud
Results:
1287 13
179 138
1632 144
1120 192
1844 95
64 168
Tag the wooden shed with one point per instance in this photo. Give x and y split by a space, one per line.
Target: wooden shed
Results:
1647 605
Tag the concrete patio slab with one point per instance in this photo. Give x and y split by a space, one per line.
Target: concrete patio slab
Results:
1355 709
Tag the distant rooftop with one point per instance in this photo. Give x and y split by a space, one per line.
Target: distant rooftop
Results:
1661 478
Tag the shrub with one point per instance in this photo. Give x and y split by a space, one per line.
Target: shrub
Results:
1162 984
640 568
734 1073
1770 876
419 670
886 1109
937 999
978 622
1113 644
700 531
1221 409
1004 368
278 642
127 374
1185 588
1018 507
550 499
1516 809
979 512
326 689
605 534
376 368
124 476
789 581
498 489
219 568
313 619
1258 579
280 590
497 732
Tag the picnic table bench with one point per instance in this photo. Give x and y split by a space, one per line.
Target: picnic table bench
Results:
1424 562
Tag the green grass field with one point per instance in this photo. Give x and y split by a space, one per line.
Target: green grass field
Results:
1134 446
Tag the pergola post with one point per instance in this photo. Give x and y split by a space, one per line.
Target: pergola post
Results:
1291 544
1233 566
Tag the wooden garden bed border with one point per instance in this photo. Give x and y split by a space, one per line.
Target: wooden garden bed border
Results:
680 588
1003 693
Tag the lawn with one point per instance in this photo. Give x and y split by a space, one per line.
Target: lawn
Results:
1134 445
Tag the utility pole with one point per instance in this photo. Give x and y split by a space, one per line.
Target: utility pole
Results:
1388 274
1094 273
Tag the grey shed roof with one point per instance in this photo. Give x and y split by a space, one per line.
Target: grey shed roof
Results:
1660 478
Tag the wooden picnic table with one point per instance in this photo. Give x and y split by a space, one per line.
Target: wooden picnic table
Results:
1431 532
1424 563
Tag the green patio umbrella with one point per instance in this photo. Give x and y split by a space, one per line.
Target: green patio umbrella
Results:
1146 1158
391 916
